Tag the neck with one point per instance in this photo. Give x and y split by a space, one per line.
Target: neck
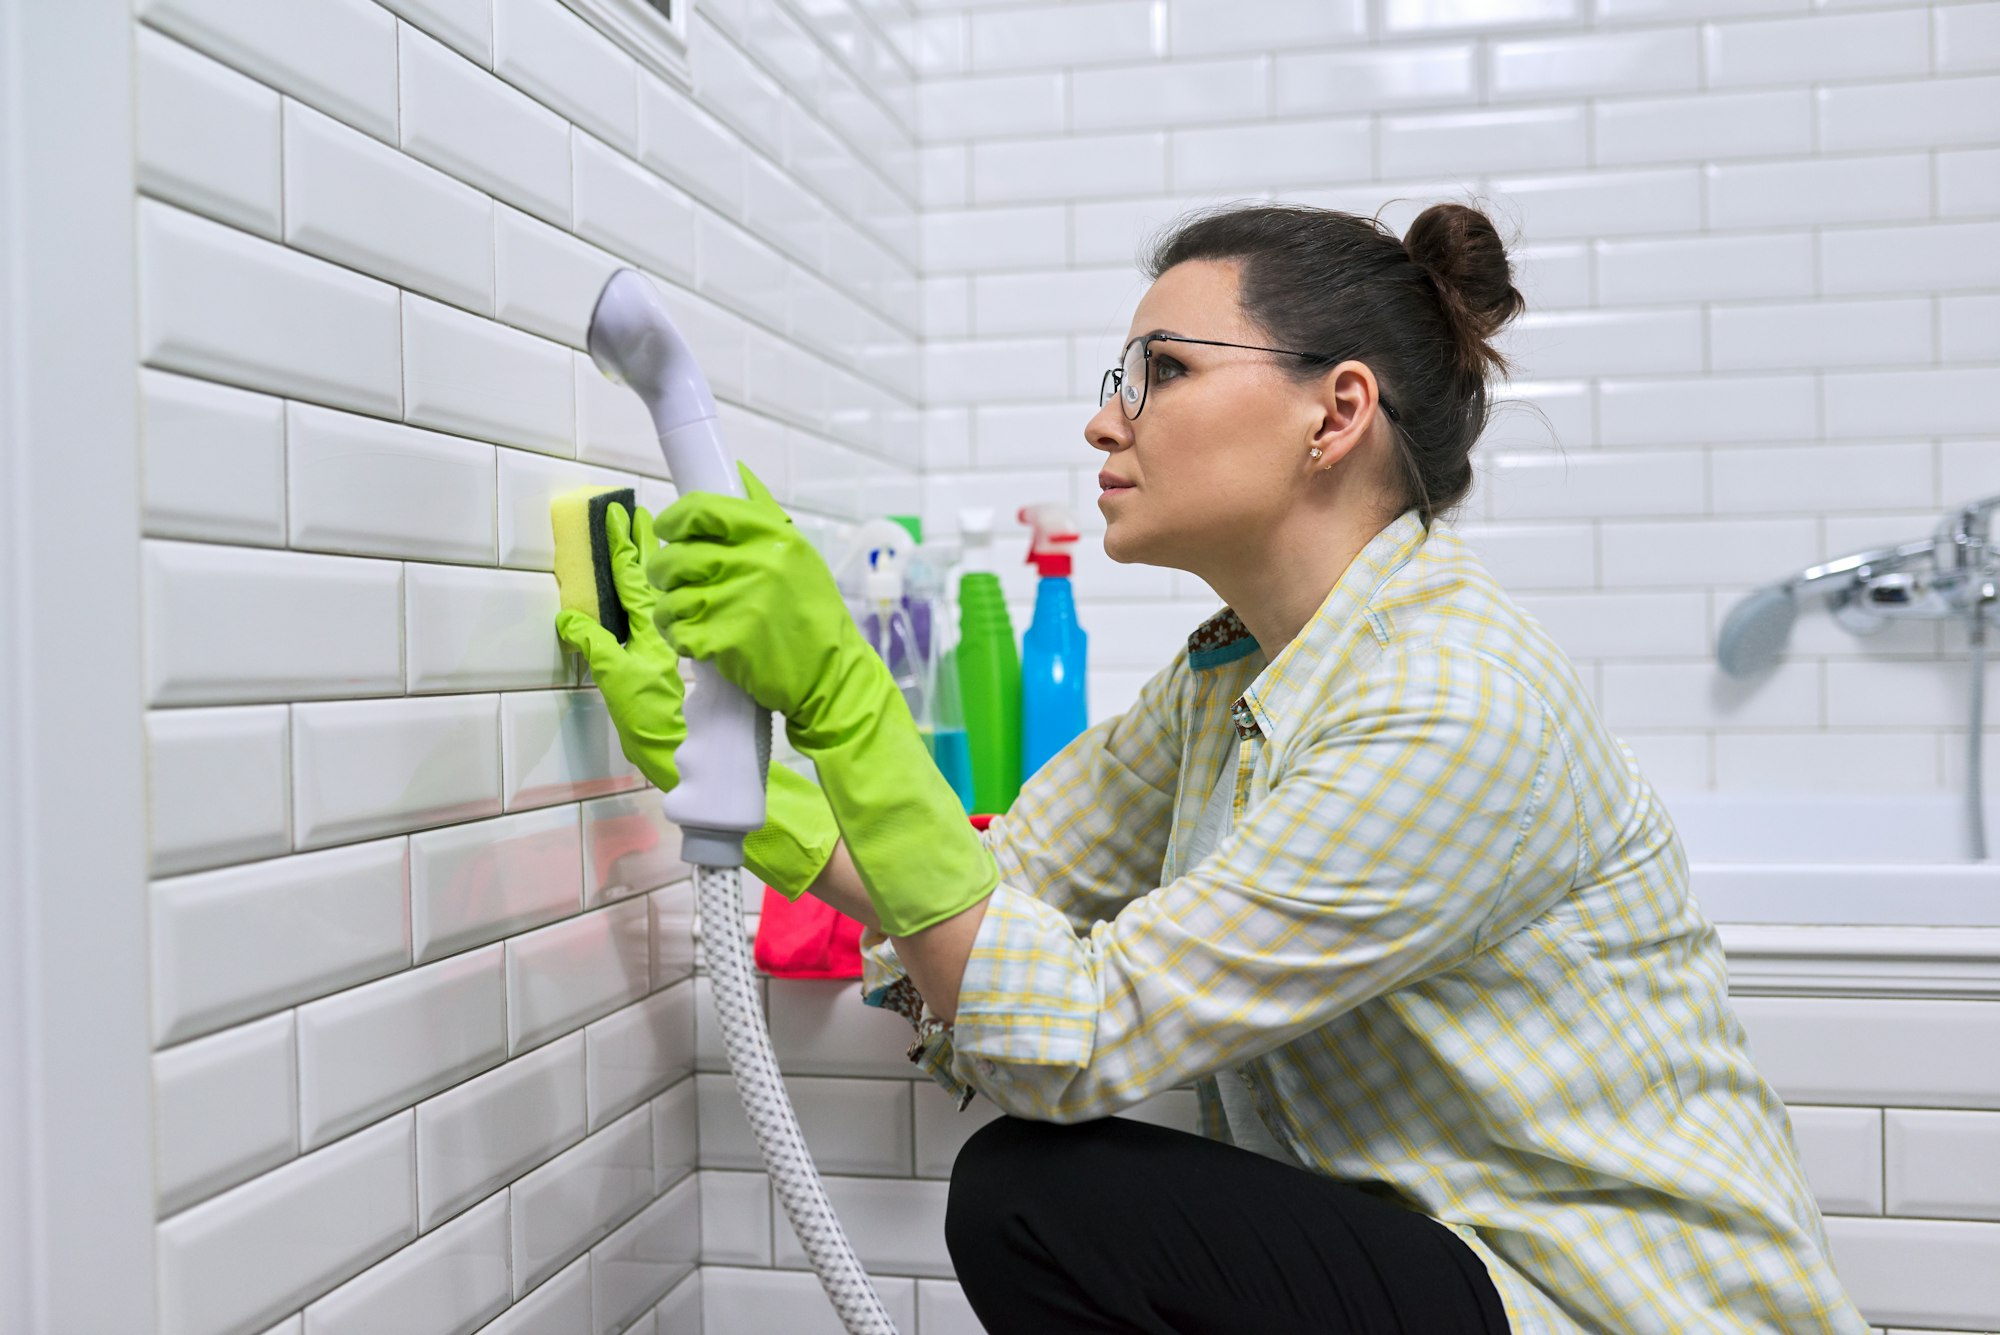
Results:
1276 587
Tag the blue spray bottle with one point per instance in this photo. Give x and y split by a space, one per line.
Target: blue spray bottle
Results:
1054 652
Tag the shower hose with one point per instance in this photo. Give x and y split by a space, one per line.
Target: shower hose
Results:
746 1037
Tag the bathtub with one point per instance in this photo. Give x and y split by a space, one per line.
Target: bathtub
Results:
1837 859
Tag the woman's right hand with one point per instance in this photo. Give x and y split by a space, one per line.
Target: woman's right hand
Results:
640 679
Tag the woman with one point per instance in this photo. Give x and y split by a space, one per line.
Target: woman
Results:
1362 862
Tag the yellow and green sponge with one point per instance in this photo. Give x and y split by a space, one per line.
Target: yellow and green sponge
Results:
583 555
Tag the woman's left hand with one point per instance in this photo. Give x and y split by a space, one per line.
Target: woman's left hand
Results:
740 586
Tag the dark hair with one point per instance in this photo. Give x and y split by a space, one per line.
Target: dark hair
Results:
1421 312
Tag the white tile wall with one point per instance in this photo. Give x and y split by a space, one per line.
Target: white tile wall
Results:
422 964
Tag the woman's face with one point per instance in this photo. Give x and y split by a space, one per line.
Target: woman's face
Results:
1218 456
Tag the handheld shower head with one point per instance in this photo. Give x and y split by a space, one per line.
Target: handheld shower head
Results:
1754 633
635 343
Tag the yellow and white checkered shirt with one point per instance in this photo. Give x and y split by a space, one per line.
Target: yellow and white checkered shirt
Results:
1449 937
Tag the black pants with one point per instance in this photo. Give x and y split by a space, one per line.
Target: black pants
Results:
1122 1226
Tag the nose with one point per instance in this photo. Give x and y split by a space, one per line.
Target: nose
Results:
1109 430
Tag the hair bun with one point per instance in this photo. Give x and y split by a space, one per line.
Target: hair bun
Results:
1461 250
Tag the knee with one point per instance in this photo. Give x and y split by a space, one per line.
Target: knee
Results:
1013 1167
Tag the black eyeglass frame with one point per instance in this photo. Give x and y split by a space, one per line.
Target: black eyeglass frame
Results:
1114 379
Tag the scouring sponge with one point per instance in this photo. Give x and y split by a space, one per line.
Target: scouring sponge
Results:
583 555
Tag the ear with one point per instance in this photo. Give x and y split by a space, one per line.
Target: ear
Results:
1350 402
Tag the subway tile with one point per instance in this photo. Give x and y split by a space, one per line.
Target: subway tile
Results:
1604 203
740 92
1222 25
850 1126
1643 11
462 120
378 1049
1841 1151
1919 1272
485 880
1713 408
1877 693
270 1246
739 1299
1541 485
1701 126
632 213
1968 182
992 106
1706 268
474 377
639 1262
1470 142
475 1138
1552 275
680 140
1966 37
1536 555
1400 17
225 1109
1065 35
1934 257
816 1029
481 630
1801 763
1058 301
738 270
1182 93
364 768
1541 413
676 1133
1815 479
629 847
222 304
338 55
1968 468
235 944
1650 60
736 1214
1314 82
452 1280
895 1225
207 136
673 911
213 461
559 1306
1671 761
216 786
1555 345
633 1054
1819 333
1857 1051
1958 402
1079 167
942 1309
1703 551
464 25
1622 625
238 625
1822 47
528 482
567 1204
1642 696
1818 192
561 977
560 746
361 203
991 239
566 64
1273 155
779 209
364 487
1929 113
1943 1164
1969 328
965 372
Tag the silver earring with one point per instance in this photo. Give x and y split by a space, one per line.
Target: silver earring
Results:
1315 452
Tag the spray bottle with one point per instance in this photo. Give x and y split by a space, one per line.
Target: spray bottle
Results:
989 670
1054 653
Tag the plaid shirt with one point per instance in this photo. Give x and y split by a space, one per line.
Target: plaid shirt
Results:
1449 938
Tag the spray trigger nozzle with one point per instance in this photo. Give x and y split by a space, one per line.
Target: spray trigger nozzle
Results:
1055 533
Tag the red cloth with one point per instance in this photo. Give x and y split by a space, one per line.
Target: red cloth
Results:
809 938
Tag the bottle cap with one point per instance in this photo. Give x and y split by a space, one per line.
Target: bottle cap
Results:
1055 533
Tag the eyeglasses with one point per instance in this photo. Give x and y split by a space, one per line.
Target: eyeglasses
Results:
1128 380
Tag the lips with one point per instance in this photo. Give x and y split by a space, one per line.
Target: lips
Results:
1106 482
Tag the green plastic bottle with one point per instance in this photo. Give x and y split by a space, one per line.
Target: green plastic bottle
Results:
989 671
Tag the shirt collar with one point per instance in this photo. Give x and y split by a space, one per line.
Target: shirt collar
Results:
1322 647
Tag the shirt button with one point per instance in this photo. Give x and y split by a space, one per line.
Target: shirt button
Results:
985 1067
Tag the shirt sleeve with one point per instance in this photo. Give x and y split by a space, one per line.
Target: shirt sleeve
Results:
1088 833
1428 812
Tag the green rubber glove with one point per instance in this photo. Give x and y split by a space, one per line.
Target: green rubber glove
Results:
642 688
740 586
